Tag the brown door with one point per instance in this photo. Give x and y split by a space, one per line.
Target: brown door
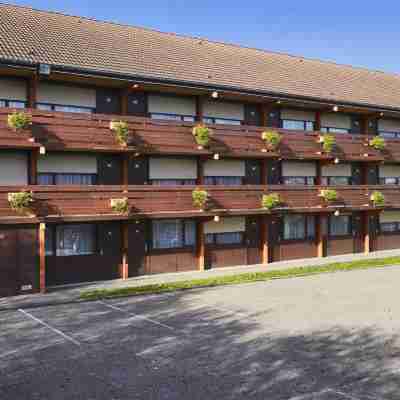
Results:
252 114
108 101
253 240
274 237
136 248
138 171
357 228
373 232
28 259
8 262
137 104
253 172
109 169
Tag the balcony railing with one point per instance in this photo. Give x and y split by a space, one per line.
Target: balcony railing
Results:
74 203
91 132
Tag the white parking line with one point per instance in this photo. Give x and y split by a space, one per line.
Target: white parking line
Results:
69 338
136 315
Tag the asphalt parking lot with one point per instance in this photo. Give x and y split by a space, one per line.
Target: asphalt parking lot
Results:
327 337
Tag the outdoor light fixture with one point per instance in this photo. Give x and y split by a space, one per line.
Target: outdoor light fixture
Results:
336 161
381 114
278 102
337 213
216 218
42 150
216 156
335 108
44 69
135 86
214 94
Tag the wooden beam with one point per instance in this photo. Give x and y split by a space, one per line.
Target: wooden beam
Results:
264 178
125 244
125 169
320 236
32 85
33 162
265 249
200 171
317 125
124 101
318 176
199 108
201 246
42 257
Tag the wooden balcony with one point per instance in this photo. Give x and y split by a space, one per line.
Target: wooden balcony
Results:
90 132
91 203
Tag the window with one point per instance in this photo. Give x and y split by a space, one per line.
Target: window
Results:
64 108
297 125
298 227
340 226
225 238
173 182
173 233
172 117
66 179
298 180
223 180
336 180
334 130
390 227
389 181
12 103
389 135
71 240
222 121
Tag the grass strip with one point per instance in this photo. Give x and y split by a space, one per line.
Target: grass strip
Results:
237 278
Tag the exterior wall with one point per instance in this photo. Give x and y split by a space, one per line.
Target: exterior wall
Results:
172 168
296 250
14 168
172 260
66 95
13 89
335 120
171 104
68 163
295 168
229 224
389 125
299 115
336 170
221 109
338 246
389 170
224 168
228 256
388 241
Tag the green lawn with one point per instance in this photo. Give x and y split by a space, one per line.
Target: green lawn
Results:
238 278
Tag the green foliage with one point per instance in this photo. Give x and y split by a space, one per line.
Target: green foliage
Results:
328 142
120 205
271 138
200 198
20 201
19 120
121 130
377 142
378 199
270 201
239 278
329 194
202 135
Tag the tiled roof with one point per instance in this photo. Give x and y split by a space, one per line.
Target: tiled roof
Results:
45 37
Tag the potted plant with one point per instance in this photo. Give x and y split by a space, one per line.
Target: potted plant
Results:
378 199
271 139
121 131
377 142
200 198
120 206
328 142
270 201
18 120
20 201
202 135
328 195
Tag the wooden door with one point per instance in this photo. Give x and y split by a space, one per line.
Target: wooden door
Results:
109 169
28 259
358 232
137 104
253 172
253 240
252 114
138 171
137 248
8 262
108 101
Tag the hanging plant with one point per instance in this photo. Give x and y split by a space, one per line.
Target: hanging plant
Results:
271 138
120 206
378 199
270 201
19 120
377 142
202 135
20 201
121 131
328 142
328 195
200 198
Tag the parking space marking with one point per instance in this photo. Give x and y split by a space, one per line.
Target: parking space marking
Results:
137 315
55 330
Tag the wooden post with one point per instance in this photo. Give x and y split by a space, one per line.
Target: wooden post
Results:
318 177
320 236
33 161
317 124
32 85
125 245
125 170
199 108
264 177
42 257
366 233
264 114
264 240
124 101
200 171
201 246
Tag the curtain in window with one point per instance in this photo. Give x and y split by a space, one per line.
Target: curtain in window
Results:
16 104
389 226
74 109
75 239
45 179
229 238
173 182
190 233
294 227
49 241
339 180
74 179
311 226
340 226
298 180
223 180
167 234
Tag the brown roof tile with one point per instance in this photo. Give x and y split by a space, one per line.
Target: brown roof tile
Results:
45 37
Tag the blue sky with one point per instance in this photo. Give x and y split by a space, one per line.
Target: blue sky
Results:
353 32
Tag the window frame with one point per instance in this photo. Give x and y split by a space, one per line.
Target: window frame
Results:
222 121
389 134
213 243
22 103
326 180
55 174
213 180
53 107
396 178
304 178
335 130
307 237
305 122
350 226
174 117
181 182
